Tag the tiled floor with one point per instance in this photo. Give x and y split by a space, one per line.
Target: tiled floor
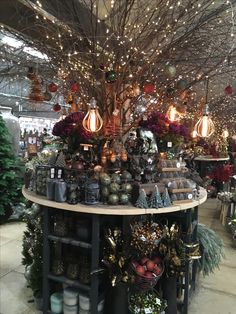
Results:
215 294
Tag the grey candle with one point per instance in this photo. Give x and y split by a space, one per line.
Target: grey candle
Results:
50 189
60 191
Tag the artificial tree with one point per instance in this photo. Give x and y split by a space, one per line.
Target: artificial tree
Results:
11 174
32 249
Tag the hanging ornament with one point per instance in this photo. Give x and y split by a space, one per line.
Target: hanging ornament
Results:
205 126
92 122
111 76
123 155
149 88
74 87
47 96
31 73
225 133
36 90
182 84
56 107
229 90
173 114
52 87
170 70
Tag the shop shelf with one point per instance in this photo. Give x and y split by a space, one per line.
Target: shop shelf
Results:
71 241
72 283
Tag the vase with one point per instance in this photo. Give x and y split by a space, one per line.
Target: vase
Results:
13 126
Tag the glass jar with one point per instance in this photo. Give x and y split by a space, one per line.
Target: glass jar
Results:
92 192
72 192
42 174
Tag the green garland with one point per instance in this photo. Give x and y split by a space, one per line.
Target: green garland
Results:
212 249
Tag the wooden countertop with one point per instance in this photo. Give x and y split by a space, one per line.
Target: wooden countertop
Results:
121 210
202 158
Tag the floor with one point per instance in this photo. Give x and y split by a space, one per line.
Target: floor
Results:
215 294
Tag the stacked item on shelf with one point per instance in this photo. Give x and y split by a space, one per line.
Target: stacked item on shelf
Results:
172 175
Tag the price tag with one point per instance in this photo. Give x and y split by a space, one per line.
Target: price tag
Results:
86 147
158 301
190 196
148 311
169 144
178 165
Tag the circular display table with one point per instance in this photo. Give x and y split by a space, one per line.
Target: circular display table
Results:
99 216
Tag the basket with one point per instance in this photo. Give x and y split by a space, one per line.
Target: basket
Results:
144 283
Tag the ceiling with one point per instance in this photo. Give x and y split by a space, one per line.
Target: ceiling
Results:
203 45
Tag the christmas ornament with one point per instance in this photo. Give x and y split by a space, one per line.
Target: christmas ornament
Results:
105 191
74 87
115 177
113 199
36 90
56 107
182 84
126 176
113 157
170 70
52 87
31 73
149 88
142 200
155 200
126 187
92 121
229 90
105 179
124 155
124 198
111 76
225 133
114 187
166 198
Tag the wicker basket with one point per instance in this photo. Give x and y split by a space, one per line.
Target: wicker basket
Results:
144 283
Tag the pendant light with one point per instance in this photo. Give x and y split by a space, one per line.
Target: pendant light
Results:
92 122
225 133
205 126
172 113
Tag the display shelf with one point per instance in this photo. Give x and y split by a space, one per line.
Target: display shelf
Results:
118 210
186 213
71 241
171 169
72 283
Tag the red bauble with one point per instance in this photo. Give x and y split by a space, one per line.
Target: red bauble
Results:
140 270
56 107
149 88
157 271
74 87
229 90
150 265
148 274
52 87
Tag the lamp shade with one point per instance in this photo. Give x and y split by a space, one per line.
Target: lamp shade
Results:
205 126
92 121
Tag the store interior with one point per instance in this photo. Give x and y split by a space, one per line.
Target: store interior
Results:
117 157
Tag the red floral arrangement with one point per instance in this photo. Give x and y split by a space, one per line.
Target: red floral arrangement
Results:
71 130
222 173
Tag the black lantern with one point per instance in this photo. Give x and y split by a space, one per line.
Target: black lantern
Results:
91 192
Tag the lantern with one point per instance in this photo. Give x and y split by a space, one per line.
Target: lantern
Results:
91 192
92 122
205 126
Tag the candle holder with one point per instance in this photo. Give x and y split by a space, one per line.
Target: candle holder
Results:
92 192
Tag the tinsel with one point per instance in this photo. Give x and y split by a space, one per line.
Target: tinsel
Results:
212 249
